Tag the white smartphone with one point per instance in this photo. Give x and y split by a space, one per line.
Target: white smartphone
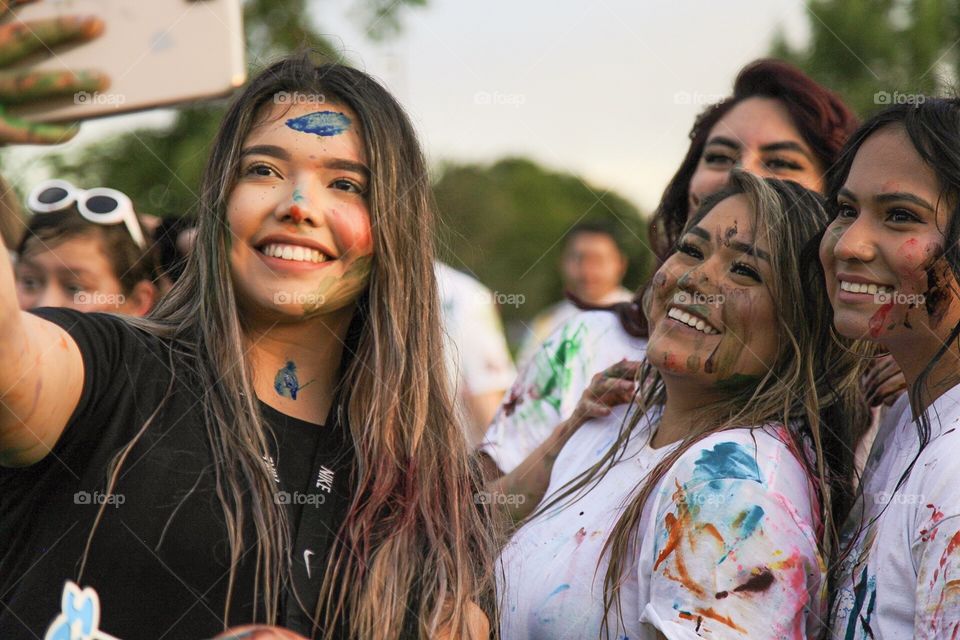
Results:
155 52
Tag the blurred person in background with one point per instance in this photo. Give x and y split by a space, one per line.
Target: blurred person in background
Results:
592 267
85 250
478 360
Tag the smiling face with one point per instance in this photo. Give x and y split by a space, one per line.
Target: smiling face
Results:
301 237
881 256
759 136
712 316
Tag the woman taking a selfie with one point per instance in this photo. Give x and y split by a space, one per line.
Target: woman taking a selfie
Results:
275 443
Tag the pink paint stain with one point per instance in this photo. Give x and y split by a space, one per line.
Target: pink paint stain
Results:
580 535
879 319
352 231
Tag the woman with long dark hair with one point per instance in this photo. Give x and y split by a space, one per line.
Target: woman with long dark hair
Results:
703 510
275 443
891 262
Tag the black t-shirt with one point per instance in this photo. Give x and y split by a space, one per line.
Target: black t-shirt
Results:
159 558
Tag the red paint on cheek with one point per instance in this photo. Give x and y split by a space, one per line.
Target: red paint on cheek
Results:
671 363
353 232
911 255
879 319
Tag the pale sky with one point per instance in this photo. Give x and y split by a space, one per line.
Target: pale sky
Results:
607 89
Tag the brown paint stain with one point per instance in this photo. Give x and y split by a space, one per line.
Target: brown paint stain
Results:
757 584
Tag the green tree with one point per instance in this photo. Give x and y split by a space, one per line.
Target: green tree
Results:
874 52
161 168
506 223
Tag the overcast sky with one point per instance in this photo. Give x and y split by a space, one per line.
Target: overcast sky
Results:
604 88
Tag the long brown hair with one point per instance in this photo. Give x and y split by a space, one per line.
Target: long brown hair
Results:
413 532
814 371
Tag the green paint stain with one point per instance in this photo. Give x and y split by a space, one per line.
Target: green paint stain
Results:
693 363
557 375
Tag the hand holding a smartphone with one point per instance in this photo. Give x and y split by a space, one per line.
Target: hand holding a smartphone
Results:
20 40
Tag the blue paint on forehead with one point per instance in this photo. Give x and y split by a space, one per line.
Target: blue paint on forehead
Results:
321 123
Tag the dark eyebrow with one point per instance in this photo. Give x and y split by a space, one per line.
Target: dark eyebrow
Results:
846 193
700 232
727 142
786 145
750 250
347 165
903 195
266 150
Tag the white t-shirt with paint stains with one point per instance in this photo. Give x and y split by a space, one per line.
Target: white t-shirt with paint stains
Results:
901 578
549 387
727 544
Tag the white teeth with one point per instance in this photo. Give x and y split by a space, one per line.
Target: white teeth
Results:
690 320
294 253
862 287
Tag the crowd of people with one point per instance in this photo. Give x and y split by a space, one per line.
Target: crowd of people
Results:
282 417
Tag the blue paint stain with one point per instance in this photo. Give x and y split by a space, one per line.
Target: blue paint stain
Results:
546 617
321 123
286 382
297 196
726 460
748 520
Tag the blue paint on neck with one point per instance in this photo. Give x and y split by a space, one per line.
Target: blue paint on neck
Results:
286 382
321 123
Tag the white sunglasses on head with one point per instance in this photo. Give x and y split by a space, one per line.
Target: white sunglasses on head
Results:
101 205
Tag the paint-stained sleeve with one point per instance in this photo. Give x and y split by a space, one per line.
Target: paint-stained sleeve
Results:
935 504
543 394
734 554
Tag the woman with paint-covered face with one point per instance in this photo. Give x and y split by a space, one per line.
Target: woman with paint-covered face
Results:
777 123
274 444
707 505
891 263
